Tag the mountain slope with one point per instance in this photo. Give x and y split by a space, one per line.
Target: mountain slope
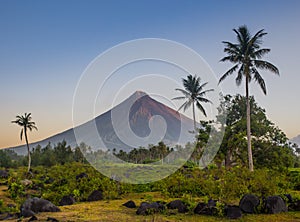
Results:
137 121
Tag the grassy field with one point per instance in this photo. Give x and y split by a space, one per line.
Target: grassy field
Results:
112 211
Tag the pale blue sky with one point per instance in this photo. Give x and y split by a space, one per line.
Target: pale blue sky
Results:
46 45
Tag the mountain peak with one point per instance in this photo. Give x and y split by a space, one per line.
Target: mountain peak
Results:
140 93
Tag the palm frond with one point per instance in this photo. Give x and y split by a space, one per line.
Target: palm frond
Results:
204 92
200 107
184 92
239 77
179 97
266 65
229 72
21 134
260 53
205 100
260 80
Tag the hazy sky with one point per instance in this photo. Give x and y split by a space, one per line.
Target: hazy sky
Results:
46 45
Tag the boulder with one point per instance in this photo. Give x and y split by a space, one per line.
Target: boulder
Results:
274 205
249 203
206 209
233 212
179 205
95 196
35 205
4 174
129 204
149 208
295 206
67 200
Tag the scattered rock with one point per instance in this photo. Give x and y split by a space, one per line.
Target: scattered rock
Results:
249 203
33 218
81 175
4 174
129 204
67 200
35 205
26 182
179 205
206 209
8 216
95 196
274 205
233 212
149 208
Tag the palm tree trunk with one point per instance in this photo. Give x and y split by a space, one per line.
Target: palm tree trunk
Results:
28 150
250 160
194 117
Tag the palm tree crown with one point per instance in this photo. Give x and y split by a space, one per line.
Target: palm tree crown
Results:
193 93
246 54
25 122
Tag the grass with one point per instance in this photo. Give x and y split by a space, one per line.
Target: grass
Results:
111 211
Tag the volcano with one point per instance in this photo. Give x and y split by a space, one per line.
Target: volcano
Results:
137 121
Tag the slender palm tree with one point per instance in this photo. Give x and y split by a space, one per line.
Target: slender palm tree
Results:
194 94
246 55
26 123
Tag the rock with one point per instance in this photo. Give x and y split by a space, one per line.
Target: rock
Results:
149 208
36 205
249 203
8 216
95 196
274 205
67 200
295 206
179 205
26 182
206 209
52 219
81 175
4 174
233 212
129 204
33 218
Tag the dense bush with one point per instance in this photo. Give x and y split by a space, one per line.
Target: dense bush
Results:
224 185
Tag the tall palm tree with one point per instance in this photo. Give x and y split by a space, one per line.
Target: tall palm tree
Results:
26 123
247 55
194 94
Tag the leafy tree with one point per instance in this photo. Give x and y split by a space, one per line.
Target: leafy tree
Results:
246 54
272 148
26 123
5 160
63 153
194 94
